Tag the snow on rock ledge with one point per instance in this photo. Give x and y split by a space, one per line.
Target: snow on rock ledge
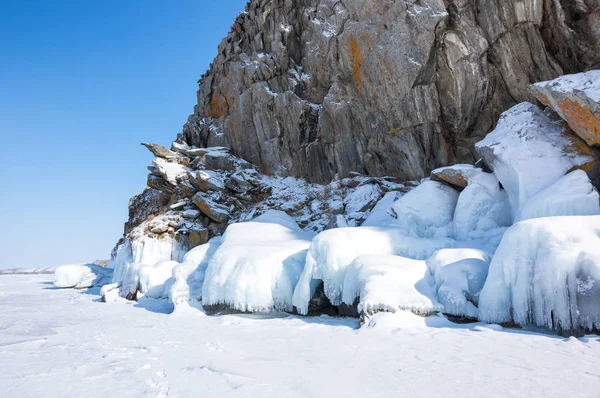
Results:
81 276
576 98
546 273
529 151
257 265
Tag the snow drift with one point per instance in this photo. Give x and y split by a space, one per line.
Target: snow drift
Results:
81 276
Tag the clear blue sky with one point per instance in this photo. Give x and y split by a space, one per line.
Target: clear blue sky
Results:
82 83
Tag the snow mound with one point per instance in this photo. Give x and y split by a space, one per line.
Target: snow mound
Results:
459 276
427 210
572 195
528 152
188 277
332 251
257 265
81 276
390 283
546 273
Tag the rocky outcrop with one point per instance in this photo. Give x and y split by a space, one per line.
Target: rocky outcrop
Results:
576 98
321 87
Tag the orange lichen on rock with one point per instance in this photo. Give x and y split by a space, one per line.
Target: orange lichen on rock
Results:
581 119
356 57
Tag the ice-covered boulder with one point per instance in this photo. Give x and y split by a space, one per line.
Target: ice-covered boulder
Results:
382 213
362 199
576 98
571 195
188 277
390 283
546 273
154 280
257 265
459 276
529 151
481 207
332 251
81 276
427 210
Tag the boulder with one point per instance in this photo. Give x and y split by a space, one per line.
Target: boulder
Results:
210 208
161 152
210 181
576 98
457 176
529 151
240 182
219 160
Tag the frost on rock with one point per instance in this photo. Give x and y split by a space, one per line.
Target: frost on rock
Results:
382 213
459 276
390 283
81 276
572 195
257 265
427 210
188 277
546 273
332 251
529 151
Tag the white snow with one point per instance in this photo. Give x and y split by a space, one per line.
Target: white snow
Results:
188 277
66 343
257 265
81 276
572 195
382 213
153 279
332 251
528 152
427 210
482 206
459 276
587 83
546 273
390 283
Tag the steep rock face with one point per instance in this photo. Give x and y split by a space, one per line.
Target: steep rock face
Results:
312 88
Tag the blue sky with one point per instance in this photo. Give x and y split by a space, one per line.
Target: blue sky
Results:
82 83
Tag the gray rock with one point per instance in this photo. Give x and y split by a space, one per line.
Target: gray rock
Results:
210 181
161 152
240 182
210 208
320 87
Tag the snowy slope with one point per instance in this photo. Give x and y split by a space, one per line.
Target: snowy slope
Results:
65 343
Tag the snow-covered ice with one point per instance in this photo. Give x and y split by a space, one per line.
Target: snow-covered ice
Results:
258 264
390 283
427 210
66 343
571 195
81 276
546 273
528 152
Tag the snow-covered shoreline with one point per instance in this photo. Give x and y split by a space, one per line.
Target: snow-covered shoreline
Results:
66 343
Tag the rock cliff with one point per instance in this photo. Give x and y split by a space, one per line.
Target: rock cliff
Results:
315 88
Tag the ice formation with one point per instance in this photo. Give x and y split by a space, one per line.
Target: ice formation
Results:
572 195
257 265
459 276
332 251
390 283
427 210
153 280
81 276
528 152
188 277
546 273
